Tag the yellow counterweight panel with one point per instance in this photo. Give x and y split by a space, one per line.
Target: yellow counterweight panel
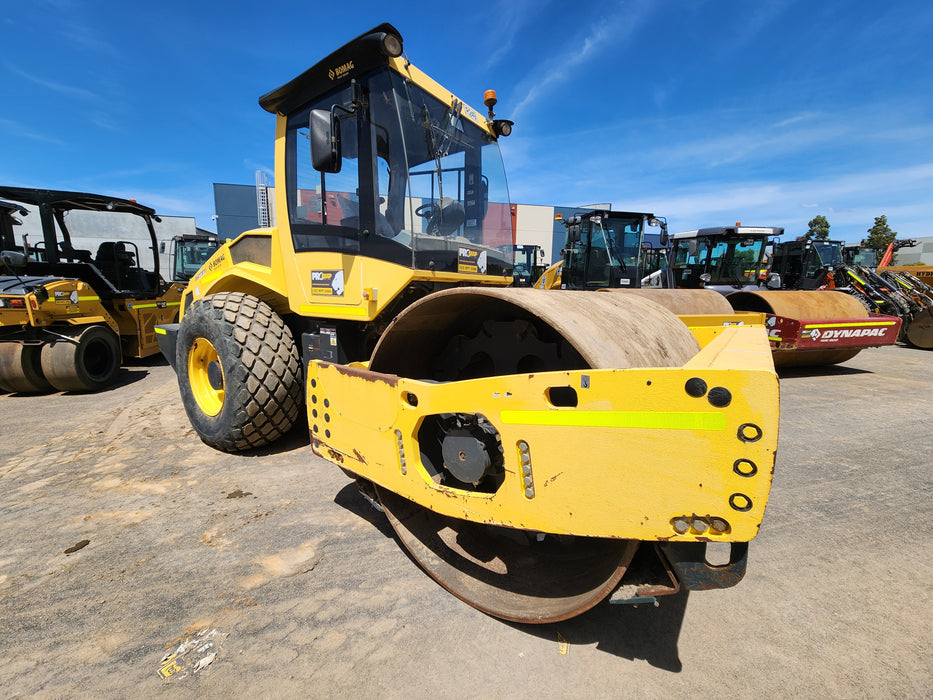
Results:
69 301
706 327
642 449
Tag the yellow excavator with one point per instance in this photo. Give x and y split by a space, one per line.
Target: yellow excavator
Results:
536 453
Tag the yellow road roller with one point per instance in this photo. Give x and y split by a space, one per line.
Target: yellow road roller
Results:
604 250
535 453
68 316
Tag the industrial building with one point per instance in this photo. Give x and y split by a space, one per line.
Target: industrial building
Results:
243 207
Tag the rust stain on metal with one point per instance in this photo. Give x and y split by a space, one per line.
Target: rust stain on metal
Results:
553 478
359 457
364 374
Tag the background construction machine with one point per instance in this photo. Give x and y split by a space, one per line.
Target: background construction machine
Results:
821 264
604 249
67 317
532 451
187 253
806 327
528 265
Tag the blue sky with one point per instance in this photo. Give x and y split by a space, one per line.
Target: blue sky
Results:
709 112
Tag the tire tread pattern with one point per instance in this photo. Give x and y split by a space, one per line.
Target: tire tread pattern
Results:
263 374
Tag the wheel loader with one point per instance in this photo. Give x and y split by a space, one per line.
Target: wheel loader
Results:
67 316
535 453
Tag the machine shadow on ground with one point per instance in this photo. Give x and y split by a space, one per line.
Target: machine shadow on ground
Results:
352 499
123 377
819 371
628 631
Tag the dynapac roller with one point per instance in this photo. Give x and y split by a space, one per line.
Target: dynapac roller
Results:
536 453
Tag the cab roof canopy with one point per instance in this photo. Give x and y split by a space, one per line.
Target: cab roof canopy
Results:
352 59
11 207
62 200
725 230
590 213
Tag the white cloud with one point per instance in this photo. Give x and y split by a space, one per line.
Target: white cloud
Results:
583 47
21 131
253 166
856 198
60 88
512 19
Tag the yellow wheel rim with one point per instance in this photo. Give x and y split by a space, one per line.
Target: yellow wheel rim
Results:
206 376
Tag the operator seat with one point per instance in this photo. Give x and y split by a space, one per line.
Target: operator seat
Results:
115 262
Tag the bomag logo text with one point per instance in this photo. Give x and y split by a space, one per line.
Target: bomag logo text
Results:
340 71
214 264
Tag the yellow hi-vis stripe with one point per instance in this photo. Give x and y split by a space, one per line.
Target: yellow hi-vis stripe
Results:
649 420
849 325
153 305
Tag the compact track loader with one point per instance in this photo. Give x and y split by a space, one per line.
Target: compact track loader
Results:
67 316
536 453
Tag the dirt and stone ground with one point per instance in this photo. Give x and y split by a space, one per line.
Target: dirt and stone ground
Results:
123 536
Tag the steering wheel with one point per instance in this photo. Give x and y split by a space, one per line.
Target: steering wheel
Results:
67 250
446 216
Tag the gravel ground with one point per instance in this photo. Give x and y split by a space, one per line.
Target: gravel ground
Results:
124 537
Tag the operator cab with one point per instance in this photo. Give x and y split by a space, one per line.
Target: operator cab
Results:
724 258
115 268
384 163
808 264
602 249
856 255
529 265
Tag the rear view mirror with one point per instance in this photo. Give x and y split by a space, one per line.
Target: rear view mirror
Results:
13 258
325 141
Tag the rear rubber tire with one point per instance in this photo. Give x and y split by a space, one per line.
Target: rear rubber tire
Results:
21 369
239 373
89 363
